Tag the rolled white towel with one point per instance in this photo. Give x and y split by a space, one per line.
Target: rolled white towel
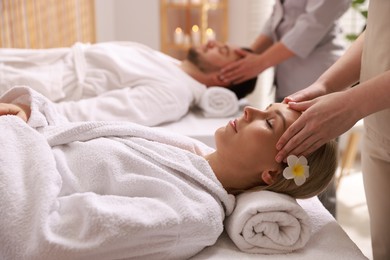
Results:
266 222
218 102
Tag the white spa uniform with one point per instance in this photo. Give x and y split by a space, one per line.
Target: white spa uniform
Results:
123 81
376 148
307 28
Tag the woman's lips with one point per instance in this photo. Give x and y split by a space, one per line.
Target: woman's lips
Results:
233 123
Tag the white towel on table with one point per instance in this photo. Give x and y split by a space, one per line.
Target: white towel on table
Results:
268 223
218 102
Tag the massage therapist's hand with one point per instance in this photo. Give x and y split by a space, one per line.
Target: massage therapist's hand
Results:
243 69
313 91
21 111
323 119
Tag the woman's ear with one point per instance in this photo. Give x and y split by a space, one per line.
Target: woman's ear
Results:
269 176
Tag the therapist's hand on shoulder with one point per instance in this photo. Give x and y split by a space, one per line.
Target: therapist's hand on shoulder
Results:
249 66
323 119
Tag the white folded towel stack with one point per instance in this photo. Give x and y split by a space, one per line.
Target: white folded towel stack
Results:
218 102
266 222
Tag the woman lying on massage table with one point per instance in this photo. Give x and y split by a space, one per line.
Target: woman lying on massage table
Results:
111 190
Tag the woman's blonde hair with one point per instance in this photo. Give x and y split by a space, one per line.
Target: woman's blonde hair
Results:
322 167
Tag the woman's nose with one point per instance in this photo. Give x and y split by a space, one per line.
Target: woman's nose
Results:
252 112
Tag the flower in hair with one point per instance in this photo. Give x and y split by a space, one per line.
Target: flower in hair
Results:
297 169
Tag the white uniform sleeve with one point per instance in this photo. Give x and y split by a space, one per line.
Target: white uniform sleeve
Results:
312 26
267 28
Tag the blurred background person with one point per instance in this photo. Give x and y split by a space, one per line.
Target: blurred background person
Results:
300 40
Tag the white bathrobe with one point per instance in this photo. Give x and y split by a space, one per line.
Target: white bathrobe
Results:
114 81
103 190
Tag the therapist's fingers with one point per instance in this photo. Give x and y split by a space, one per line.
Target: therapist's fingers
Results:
313 91
295 140
232 72
286 100
302 137
238 80
289 141
219 82
240 52
301 106
233 66
308 146
229 68
296 97
233 80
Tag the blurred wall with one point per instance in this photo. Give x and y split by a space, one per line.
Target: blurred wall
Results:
134 20
128 20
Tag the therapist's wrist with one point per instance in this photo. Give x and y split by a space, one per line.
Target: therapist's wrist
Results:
325 86
262 63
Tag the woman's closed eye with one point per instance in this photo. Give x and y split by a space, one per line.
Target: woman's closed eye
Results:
270 123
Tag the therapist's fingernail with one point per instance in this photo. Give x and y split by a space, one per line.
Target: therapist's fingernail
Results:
279 158
278 147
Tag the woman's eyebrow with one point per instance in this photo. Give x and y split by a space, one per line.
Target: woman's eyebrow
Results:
279 113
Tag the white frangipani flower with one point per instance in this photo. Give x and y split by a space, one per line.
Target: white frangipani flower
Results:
297 169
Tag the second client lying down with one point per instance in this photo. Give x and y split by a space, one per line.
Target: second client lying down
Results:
119 190
120 81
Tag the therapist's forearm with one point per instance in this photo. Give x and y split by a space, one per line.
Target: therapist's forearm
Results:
345 72
261 44
372 95
276 55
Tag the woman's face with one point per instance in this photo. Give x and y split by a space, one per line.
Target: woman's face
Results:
248 143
